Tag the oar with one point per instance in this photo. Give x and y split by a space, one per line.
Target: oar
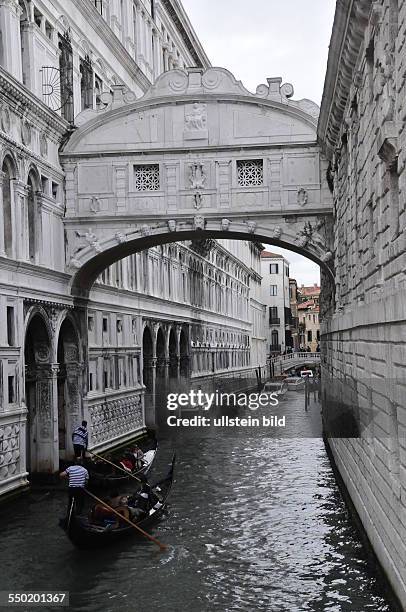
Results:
126 520
114 465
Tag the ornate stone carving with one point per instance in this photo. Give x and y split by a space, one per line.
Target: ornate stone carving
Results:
197 119
252 225
43 145
302 197
9 450
277 232
198 200
225 224
172 225
120 237
26 132
5 119
197 175
199 222
145 230
116 417
311 234
90 238
94 205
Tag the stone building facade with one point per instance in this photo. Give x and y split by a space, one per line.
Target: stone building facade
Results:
362 128
276 297
148 316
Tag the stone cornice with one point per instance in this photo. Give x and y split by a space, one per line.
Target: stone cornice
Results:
185 30
91 14
350 20
16 92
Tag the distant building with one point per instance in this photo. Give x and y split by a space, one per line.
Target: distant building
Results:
294 327
308 314
276 297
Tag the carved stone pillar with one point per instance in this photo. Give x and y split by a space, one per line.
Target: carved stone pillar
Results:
46 433
19 219
2 249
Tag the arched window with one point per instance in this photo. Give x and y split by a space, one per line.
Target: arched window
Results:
32 216
8 175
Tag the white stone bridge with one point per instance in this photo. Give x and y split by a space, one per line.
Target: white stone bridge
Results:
197 156
283 363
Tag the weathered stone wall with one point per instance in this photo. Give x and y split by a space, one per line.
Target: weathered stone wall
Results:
362 128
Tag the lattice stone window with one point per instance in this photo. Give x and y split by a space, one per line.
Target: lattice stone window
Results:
250 172
146 177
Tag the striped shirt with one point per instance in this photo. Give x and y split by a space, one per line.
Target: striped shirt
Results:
78 475
80 436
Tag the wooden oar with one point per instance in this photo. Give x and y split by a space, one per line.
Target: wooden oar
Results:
114 465
126 520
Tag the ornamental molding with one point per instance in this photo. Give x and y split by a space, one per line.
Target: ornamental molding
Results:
17 92
350 22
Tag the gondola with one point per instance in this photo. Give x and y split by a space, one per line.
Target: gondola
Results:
103 477
86 534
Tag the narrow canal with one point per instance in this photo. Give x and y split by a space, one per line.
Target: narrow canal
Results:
256 522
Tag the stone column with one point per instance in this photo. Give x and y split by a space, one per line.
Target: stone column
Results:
2 249
10 13
47 447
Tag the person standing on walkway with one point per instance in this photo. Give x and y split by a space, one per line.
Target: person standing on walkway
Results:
80 439
78 478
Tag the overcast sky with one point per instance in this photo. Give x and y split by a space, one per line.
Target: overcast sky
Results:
269 38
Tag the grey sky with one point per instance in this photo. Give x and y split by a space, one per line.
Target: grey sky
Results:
269 38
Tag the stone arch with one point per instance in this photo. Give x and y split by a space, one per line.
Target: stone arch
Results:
40 378
9 173
147 357
89 261
32 216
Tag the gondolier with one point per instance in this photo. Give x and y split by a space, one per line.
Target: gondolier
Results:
78 477
80 439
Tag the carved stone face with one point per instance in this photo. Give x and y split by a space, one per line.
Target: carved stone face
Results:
199 222
172 225
225 224
251 226
277 232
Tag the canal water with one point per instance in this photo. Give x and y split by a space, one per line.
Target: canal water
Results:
256 523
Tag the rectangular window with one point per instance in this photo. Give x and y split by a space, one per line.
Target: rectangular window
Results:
10 326
90 323
309 335
250 172
55 190
318 335
66 76
146 177
105 324
91 381
44 184
86 83
48 30
98 90
273 316
287 271
11 390
273 269
273 290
